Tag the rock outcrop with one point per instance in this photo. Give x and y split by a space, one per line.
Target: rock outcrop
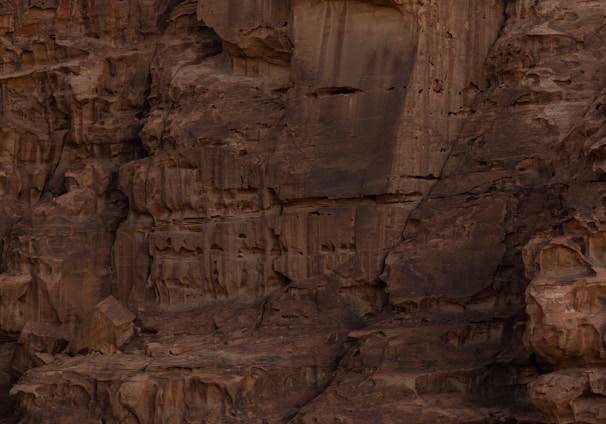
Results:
106 329
38 344
302 211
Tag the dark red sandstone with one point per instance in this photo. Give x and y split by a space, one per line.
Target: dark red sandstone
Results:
302 211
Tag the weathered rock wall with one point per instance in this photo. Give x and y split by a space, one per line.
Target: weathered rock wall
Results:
288 173
565 262
521 194
318 210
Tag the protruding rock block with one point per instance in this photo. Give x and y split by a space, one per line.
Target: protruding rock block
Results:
574 395
563 258
38 342
253 31
566 324
109 326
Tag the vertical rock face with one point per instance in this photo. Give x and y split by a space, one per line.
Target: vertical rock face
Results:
70 98
539 179
69 103
318 210
284 140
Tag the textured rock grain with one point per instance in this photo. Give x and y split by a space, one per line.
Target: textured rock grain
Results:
316 211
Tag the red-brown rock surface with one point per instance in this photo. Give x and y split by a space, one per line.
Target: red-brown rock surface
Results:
313 210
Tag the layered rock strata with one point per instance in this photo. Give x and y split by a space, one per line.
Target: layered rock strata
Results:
317 210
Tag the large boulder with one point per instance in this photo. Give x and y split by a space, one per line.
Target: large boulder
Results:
109 326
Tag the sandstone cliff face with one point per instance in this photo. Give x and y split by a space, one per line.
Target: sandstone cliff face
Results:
317 210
